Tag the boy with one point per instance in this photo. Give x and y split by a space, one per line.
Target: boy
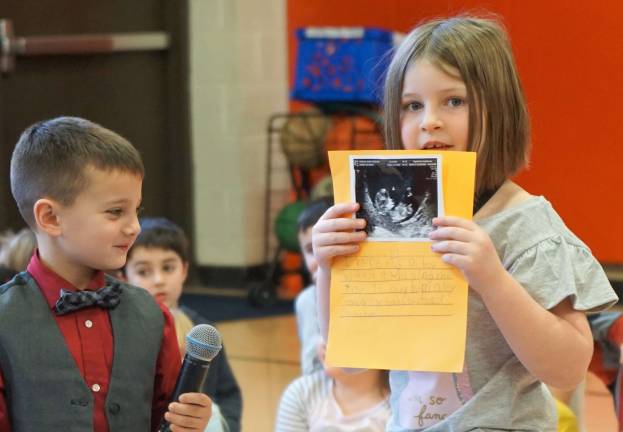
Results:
305 303
86 360
158 262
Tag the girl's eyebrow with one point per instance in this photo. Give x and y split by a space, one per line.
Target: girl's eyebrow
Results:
444 90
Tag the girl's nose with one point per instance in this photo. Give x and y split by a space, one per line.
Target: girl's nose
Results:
430 120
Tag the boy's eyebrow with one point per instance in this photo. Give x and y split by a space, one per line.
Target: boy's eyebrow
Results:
167 260
118 201
122 201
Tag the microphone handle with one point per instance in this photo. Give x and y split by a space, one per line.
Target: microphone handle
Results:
190 380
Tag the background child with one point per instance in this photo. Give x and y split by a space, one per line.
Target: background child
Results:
452 85
101 360
15 252
335 400
607 329
305 303
158 262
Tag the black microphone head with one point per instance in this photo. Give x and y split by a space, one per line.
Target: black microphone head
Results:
203 342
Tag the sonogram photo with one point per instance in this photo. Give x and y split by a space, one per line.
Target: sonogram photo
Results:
398 196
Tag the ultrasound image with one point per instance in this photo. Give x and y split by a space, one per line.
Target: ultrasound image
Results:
398 196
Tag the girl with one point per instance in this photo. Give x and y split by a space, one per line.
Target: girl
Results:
453 85
336 400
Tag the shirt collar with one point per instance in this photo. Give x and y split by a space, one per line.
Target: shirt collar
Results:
50 283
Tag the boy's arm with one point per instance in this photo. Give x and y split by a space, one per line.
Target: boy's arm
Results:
5 424
221 382
193 410
227 394
167 369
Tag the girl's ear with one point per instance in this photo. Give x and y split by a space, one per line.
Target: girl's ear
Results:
46 216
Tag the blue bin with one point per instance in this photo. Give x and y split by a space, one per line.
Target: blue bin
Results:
346 64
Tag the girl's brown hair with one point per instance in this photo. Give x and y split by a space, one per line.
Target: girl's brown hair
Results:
499 125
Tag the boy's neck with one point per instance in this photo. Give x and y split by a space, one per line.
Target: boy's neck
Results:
360 391
55 260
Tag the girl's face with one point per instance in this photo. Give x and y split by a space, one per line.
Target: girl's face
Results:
434 113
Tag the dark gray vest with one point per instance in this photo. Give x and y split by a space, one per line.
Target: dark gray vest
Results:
44 388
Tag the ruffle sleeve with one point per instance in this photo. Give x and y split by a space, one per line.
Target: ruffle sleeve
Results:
555 269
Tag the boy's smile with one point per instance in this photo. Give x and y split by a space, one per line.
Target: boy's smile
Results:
97 229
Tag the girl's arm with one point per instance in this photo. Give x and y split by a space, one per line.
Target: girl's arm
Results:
333 235
554 345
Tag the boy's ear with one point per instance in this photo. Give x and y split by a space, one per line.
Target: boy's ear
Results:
46 216
185 270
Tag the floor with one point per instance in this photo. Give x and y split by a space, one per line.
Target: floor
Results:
264 354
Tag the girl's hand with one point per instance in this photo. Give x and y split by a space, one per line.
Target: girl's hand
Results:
468 247
191 413
335 234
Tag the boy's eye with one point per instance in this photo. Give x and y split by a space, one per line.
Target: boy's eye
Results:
139 210
168 268
142 272
115 211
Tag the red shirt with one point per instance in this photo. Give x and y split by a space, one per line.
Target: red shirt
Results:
88 334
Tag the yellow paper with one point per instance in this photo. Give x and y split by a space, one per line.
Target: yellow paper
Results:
397 305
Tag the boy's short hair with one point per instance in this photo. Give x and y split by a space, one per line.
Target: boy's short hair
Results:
161 233
50 158
313 211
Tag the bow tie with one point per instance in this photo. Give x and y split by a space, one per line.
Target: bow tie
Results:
107 297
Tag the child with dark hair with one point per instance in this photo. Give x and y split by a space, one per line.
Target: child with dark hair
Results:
158 262
305 302
102 355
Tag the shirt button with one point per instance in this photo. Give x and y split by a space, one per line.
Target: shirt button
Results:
88 323
95 387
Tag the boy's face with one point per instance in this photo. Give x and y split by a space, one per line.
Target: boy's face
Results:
305 240
160 271
99 227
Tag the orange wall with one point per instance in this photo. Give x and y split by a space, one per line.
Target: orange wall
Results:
570 57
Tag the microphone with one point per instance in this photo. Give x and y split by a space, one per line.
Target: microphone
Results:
203 343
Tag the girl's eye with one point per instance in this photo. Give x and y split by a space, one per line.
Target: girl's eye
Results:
456 102
412 106
139 210
168 268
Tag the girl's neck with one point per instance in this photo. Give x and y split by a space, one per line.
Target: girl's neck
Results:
508 195
360 392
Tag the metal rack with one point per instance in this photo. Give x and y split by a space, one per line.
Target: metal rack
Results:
264 292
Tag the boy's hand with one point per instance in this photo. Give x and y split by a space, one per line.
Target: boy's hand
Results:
335 233
468 247
191 413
